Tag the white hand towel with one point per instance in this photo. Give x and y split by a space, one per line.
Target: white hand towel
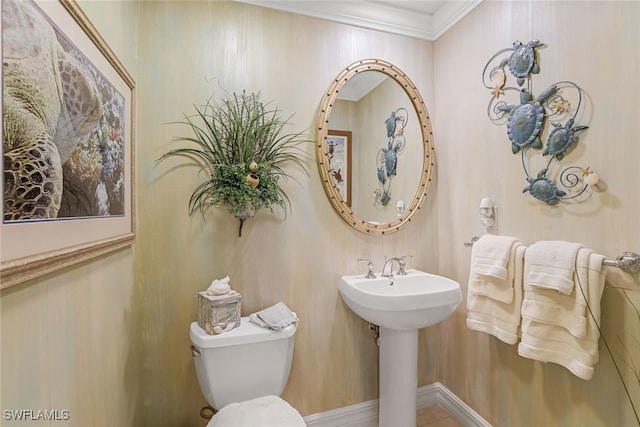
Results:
550 264
549 306
495 317
276 317
491 286
551 343
492 255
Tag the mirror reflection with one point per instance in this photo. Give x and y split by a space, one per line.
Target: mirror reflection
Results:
374 146
386 146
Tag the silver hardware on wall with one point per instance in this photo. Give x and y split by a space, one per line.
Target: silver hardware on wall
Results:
629 262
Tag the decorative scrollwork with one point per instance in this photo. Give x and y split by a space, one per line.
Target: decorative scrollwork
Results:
526 120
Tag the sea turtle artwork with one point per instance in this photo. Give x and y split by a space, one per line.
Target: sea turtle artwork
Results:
382 177
337 175
387 156
383 196
561 138
52 104
561 102
390 123
390 156
526 119
542 188
522 61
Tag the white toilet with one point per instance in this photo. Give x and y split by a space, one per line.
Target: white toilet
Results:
242 372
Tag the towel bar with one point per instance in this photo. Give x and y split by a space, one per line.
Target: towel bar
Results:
629 262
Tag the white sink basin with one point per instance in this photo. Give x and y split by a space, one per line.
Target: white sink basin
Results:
414 301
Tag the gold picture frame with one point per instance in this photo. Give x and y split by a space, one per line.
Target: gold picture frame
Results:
36 243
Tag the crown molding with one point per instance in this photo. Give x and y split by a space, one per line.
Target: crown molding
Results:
378 15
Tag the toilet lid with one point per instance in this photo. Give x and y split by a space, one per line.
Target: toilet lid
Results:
246 333
266 411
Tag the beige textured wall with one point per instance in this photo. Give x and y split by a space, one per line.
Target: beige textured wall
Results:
597 45
109 339
66 338
187 50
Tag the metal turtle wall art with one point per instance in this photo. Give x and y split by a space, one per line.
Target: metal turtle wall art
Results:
525 121
387 157
542 188
561 138
522 61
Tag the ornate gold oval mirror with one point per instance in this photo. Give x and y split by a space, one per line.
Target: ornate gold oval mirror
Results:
374 146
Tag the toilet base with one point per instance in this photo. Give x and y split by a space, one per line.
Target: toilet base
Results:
265 411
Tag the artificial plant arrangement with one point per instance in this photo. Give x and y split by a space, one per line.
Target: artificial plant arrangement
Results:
241 145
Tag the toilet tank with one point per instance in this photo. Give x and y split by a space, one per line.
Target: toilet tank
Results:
245 363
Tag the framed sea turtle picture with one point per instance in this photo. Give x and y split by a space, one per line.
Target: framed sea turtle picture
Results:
339 157
67 108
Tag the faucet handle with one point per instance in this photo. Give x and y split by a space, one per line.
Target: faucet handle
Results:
402 263
370 274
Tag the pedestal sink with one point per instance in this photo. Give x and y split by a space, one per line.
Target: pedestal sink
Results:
400 305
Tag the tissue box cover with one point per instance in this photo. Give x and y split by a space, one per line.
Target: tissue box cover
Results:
216 313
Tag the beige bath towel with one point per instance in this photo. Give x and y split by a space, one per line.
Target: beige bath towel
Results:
492 267
552 307
550 264
493 316
548 342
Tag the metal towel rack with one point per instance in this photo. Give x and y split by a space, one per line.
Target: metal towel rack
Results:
629 262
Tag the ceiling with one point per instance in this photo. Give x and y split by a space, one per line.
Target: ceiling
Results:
423 19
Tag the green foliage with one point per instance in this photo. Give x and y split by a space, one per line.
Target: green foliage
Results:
228 137
234 192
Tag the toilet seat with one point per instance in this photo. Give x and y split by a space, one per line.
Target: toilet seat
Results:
266 411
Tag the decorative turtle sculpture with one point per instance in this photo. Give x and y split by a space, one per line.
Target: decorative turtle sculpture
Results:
390 124
522 61
50 102
390 158
383 196
525 120
560 138
543 189
381 175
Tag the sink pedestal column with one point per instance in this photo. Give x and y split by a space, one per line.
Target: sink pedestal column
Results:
398 377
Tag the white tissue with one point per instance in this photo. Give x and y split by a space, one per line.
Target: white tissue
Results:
219 287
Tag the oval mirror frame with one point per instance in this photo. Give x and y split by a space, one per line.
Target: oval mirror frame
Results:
347 214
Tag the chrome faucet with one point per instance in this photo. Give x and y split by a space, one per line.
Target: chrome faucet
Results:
387 270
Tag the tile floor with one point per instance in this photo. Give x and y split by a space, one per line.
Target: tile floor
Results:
435 416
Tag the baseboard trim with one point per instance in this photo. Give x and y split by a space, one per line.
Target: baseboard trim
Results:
365 414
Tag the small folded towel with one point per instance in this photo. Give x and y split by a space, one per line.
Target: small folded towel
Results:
549 306
552 343
493 316
276 317
550 264
492 255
